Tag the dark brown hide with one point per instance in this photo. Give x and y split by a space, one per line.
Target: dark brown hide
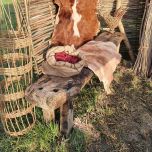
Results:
88 26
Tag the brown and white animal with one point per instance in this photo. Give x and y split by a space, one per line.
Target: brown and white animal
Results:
76 22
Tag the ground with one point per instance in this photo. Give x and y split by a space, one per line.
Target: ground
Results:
121 122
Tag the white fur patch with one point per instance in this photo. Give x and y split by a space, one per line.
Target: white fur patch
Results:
57 17
76 18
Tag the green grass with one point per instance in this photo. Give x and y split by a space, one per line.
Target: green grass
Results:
4 19
41 138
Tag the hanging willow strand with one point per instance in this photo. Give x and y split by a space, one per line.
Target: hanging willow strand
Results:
143 65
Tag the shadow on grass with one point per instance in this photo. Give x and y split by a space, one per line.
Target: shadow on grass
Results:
122 118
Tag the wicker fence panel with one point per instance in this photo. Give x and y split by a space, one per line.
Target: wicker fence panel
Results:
131 20
42 19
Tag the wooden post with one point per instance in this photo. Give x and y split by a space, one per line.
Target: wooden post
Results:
66 118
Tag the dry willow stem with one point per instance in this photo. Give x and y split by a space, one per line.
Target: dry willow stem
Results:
143 65
122 30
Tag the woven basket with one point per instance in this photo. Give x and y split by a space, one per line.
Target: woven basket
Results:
12 69
17 42
17 114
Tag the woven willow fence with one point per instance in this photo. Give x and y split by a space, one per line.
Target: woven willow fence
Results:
42 20
17 115
131 20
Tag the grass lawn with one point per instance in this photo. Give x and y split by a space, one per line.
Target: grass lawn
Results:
119 122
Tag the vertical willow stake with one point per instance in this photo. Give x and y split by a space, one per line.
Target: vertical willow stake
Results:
122 30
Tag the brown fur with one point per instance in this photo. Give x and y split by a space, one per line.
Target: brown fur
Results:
88 26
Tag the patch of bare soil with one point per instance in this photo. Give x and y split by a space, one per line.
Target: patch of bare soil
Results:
121 122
